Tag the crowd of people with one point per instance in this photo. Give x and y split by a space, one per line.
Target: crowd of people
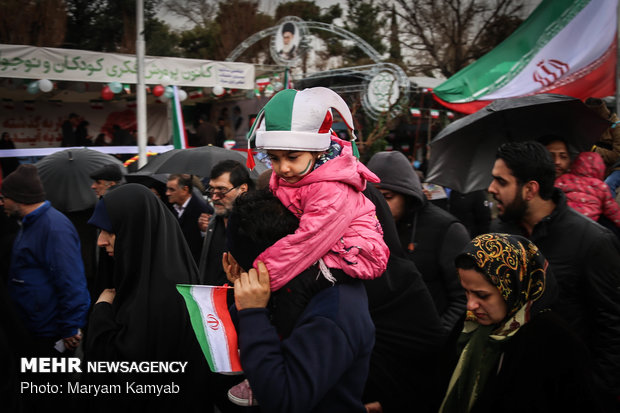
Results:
352 291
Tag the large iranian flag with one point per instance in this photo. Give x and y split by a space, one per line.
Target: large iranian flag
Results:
212 325
564 47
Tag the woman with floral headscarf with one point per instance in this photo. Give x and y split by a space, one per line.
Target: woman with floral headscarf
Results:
514 354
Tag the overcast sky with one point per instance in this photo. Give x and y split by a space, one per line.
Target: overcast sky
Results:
269 7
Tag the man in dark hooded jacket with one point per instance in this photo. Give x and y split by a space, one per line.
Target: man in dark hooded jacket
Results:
430 236
408 330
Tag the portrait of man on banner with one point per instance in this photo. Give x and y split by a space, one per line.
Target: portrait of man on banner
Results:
287 40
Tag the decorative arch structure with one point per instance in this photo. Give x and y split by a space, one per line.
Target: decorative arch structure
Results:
384 87
309 25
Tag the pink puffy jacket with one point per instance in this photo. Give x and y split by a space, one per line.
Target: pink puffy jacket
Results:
336 222
585 191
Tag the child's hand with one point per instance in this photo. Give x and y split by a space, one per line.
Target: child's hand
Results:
231 268
252 289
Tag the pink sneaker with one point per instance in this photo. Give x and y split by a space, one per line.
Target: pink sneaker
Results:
242 395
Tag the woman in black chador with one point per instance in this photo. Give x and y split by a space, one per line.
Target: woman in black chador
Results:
143 318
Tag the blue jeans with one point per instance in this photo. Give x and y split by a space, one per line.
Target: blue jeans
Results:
613 181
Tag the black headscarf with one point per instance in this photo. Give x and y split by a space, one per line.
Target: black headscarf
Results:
150 321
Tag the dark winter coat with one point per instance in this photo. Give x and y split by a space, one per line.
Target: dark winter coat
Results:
430 236
585 259
189 224
323 365
472 209
544 368
409 331
213 246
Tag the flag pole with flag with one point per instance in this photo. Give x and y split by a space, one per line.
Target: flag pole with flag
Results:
564 47
215 332
179 137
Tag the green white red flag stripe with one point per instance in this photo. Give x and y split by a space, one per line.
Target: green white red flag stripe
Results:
179 137
564 47
212 325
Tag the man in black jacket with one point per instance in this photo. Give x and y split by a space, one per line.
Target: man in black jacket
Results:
584 256
188 207
430 236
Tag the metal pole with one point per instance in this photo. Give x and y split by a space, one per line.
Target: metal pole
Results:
141 87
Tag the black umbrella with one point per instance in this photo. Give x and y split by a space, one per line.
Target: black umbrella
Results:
195 161
66 177
463 153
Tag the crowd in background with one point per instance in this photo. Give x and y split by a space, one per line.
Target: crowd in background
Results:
495 300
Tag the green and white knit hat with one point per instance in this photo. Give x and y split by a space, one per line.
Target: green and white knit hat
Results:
299 120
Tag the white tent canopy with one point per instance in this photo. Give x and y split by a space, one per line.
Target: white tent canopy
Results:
33 120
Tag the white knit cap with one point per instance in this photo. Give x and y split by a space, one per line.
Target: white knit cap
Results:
300 120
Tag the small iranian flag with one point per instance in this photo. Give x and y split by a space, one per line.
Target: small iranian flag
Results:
261 82
179 137
564 47
195 94
434 114
415 112
212 325
96 104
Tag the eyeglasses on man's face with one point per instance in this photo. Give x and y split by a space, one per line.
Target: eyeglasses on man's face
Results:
220 191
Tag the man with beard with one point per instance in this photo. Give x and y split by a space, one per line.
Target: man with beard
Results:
288 43
560 153
584 256
228 180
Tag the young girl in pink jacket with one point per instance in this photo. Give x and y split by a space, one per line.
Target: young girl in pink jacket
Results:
318 178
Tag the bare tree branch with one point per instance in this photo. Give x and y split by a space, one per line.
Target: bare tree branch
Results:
199 12
447 35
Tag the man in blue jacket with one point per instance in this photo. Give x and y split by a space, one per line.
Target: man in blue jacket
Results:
46 280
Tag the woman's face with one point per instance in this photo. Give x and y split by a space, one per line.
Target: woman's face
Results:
106 240
483 298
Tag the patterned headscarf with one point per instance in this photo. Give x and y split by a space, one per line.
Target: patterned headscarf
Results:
515 266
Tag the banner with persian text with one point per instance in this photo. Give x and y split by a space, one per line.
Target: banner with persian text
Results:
29 62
